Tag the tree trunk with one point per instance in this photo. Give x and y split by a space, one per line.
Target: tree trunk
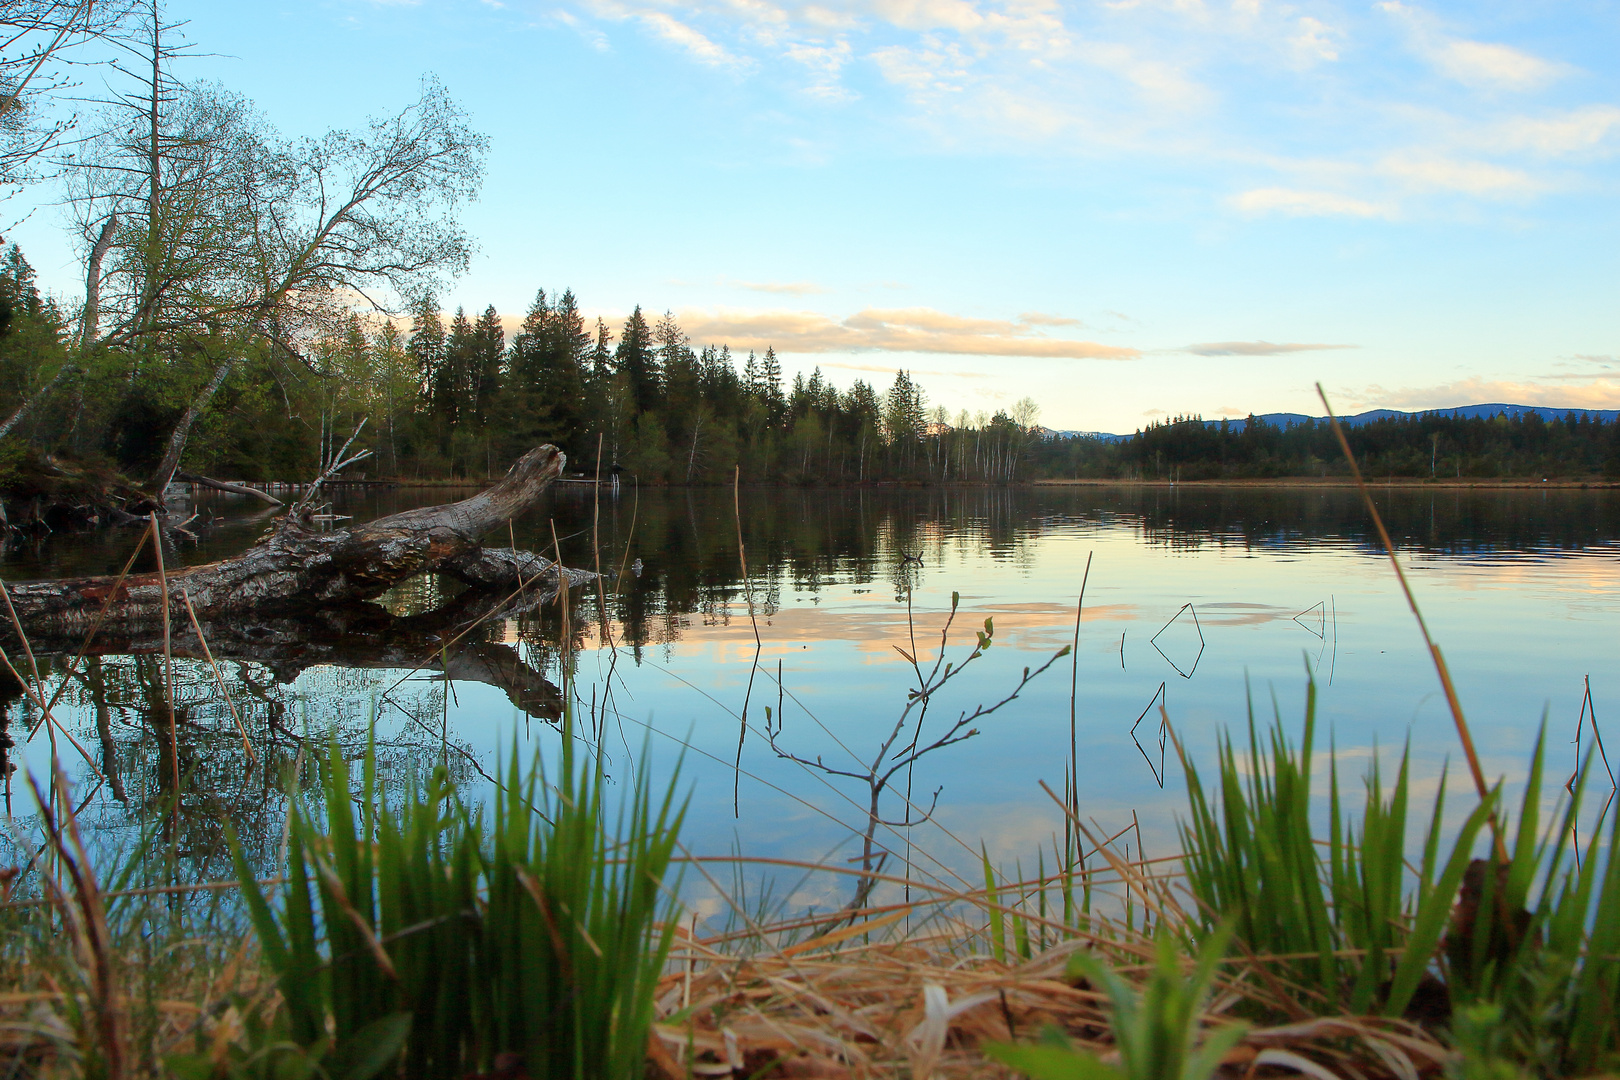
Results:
92 284
36 397
220 485
182 431
299 569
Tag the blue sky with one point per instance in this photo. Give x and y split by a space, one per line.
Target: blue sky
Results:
1124 210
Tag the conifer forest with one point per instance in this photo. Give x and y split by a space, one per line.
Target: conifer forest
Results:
257 306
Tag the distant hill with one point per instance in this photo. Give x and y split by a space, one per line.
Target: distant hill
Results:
1287 419
1469 412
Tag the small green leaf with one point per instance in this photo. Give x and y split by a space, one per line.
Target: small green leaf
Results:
371 1049
1047 1062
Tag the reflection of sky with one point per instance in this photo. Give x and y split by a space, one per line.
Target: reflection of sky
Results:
1520 634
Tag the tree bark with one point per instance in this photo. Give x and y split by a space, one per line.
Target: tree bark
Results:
221 485
92 284
182 430
298 568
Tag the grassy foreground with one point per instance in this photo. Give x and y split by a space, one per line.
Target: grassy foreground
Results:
411 936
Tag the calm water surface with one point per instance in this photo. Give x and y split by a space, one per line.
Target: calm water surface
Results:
1202 599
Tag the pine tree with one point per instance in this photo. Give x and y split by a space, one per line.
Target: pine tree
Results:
32 343
601 355
770 376
396 388
484 374
638 361
426 345
682 373
751 379
547 367
569 326
903 417
452 383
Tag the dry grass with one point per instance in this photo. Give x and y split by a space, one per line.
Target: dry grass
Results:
922 1003
911 990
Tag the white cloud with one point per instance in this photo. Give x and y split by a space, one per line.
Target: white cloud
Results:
1573 132
790 288
1481 63
700 47
1309 96
1474 63
1277 200
1469 177
1316 40
1039 318
958 15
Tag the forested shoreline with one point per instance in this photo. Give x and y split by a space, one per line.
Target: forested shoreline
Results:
1436 446
259 307
440 398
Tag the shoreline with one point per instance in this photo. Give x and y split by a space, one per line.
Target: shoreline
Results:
1346 483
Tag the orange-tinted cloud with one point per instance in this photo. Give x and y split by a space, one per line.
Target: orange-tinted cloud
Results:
914 330
1592 395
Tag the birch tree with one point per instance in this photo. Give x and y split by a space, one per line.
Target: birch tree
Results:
226 240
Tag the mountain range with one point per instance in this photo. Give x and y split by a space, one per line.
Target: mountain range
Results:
1286 419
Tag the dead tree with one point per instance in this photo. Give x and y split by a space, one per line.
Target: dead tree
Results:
300 570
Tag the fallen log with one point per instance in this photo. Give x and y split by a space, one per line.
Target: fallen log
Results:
298 568
221 485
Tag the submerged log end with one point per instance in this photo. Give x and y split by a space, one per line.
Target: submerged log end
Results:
509 497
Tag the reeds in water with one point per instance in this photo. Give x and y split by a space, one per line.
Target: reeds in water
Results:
527 940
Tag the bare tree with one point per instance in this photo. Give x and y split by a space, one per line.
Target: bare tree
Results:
216 239
36 39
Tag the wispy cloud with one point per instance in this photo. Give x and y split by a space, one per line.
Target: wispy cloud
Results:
1476 391
788 288
1254 348
1475 63
890 369
1303 113
910 330
696 44
1294 203
1571 131
1471 177
1040 318
1588 366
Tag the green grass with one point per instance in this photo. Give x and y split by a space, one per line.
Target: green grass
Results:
1158 1029
528 937
1349 924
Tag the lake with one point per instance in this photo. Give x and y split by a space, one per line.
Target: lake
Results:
1202 599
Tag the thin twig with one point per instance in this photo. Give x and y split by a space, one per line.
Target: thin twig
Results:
168 667
185 598
1440 668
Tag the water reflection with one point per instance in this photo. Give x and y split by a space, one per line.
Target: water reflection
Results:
234 736
1197 596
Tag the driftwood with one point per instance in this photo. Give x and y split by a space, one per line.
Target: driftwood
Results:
300 571
221 485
